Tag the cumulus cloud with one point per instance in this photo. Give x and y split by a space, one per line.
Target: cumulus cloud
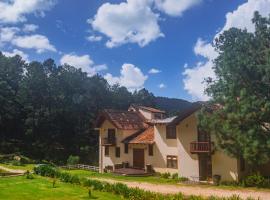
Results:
154 71
93 38
16 52
38 42
84 62
13 36
27 28
239 18
130 77
175 7
162 86
13 11
132 21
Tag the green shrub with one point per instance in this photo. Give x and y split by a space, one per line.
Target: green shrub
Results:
255 180
73 160
28 175
166 175
183 179
175 176
46 170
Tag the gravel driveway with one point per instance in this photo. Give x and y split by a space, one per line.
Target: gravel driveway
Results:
194 190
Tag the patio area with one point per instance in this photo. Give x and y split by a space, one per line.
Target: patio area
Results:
131 172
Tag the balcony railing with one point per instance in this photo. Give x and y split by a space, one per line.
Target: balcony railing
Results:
201 147
108 141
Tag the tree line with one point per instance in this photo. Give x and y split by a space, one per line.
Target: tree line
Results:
47 112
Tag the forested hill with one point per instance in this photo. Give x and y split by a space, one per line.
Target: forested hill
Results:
171 105
48 111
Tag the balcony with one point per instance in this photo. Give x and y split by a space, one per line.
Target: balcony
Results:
109 141
201 147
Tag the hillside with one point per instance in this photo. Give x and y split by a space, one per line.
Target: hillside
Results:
171 105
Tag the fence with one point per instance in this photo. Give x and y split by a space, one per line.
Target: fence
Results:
80 166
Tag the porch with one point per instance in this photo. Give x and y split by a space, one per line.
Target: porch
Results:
132 172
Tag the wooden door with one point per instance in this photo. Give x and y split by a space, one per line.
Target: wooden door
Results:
138 158
205 166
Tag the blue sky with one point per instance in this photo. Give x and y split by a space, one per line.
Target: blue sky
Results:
172 38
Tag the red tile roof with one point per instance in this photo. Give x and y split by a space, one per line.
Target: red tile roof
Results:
125 120
145 136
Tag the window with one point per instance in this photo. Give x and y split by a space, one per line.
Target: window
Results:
117 152
158 116
126 148
111 133
150 150
171 132
172 162
107 151
242 164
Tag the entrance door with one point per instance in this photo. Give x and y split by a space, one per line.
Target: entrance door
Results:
205 166
138 158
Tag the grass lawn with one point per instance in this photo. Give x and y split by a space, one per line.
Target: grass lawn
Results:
148 179
20 188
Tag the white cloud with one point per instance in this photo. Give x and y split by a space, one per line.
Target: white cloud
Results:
162 86
27 28
132 21
38 42
154 71
175 7
84 62
94 38
16 52
131 77
8 33
239 18
13 11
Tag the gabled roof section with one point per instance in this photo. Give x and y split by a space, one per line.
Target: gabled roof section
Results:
149 109
189 111
145 136
162 121
124 120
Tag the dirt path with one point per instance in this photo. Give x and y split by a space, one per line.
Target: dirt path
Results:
17 171
194 190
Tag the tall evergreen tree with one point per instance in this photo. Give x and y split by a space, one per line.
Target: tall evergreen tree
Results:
241 92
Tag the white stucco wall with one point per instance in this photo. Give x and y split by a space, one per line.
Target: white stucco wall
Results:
187 133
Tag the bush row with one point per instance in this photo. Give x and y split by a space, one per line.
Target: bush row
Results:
254 180
118 188
168 175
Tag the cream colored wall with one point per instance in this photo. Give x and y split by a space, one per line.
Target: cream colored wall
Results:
111 160
225 166
147 115
162 148
187 133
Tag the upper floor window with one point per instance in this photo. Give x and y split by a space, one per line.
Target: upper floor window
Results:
171 132
158 116
111 133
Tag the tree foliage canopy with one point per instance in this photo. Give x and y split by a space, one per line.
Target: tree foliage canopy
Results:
48 111
241 90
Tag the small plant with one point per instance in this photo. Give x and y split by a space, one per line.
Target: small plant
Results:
183 179
166 175
54 183
29 175
73 160
90 193
255 180
175 176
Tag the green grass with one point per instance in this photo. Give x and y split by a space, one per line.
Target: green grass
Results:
148 179
20 188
